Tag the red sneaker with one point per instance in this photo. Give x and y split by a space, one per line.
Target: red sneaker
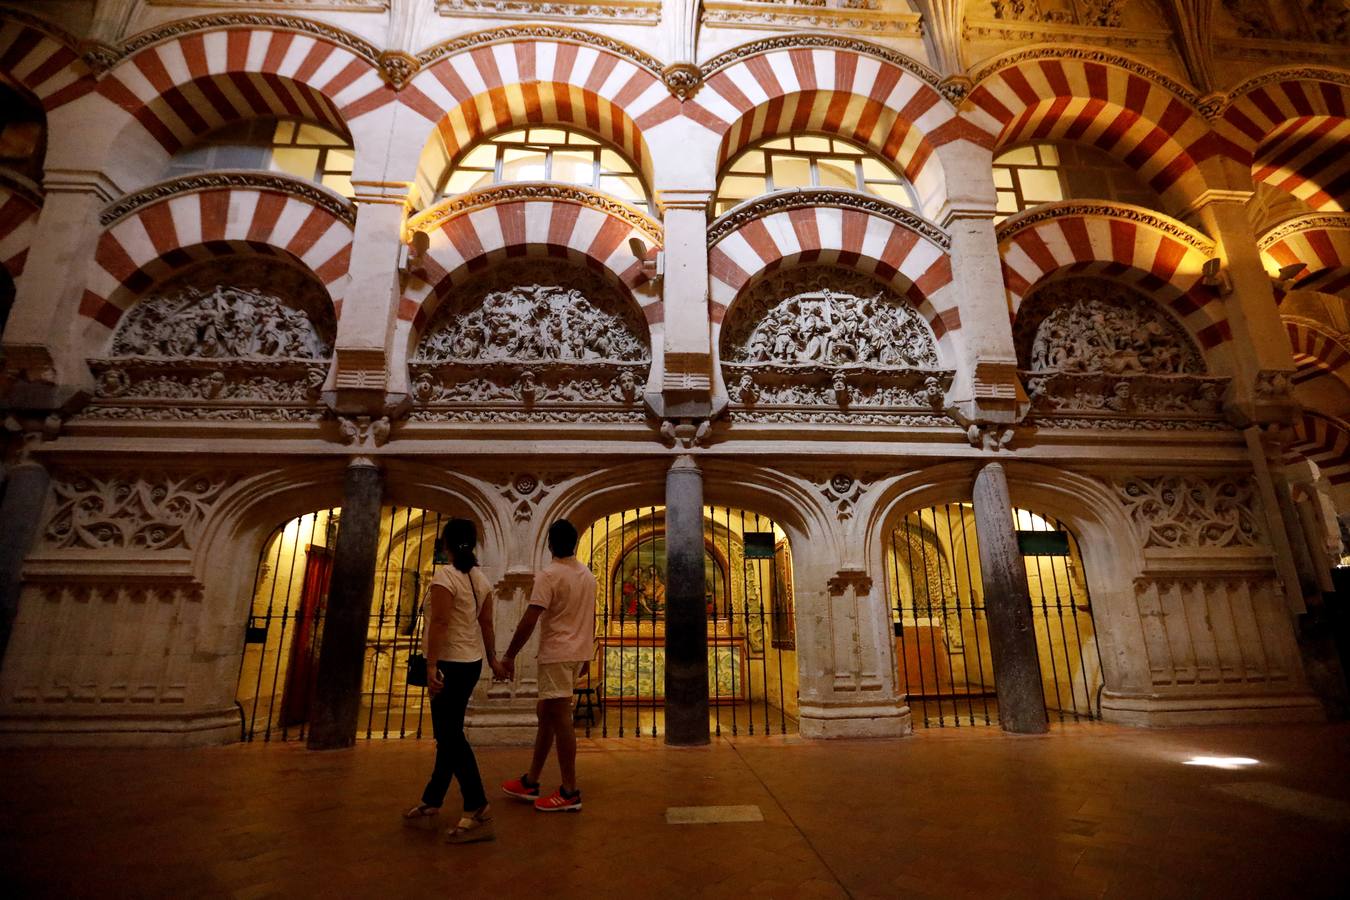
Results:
559 802
521 789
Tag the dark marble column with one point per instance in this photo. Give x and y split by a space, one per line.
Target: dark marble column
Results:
1007 603
686 607
25 497
337 695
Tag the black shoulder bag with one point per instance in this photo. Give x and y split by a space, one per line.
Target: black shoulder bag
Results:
417 662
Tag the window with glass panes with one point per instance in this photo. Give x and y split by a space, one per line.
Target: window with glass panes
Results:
302 149
1033 174
810 161
546 154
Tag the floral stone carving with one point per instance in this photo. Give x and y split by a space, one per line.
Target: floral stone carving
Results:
1178 511
825 337
220 344
532 336
149 511
1096 348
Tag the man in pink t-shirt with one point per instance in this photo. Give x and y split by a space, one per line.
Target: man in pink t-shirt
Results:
563 605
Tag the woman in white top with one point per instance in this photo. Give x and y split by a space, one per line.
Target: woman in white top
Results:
458 610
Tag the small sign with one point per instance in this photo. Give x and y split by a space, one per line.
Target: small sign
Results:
759 545
1043 543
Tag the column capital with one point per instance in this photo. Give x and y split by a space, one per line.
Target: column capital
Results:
698 199
1216 195
81 181
951 213
392 193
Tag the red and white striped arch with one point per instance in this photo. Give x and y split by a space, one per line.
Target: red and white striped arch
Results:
18 224
149 245
48 67
847 93
899 257
186 87
469 242
1292 131
1324 250
494 87
1325 441
1137 119
1166 266
1317 351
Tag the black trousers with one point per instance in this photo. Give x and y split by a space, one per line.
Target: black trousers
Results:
454 756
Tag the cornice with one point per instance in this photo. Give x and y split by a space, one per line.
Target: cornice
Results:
1086 54
1300 224
811 198
170 30
824 41
314 5
634 12
534 191
858 17
214 181
1014 225
536 31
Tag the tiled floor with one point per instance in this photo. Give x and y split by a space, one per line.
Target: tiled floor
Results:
1085 811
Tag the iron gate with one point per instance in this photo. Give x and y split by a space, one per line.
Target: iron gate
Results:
752 666
941 632
285 626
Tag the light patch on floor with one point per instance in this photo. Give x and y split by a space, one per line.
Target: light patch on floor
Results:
710 815
1300 803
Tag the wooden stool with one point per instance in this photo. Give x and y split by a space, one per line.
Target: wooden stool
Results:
586 696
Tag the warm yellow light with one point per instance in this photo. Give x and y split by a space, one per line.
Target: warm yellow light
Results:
1221 762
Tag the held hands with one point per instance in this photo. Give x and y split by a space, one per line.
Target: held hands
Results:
499 670
508 667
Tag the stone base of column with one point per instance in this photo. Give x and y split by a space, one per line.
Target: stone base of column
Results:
503 721
149 729
825 720
1155 710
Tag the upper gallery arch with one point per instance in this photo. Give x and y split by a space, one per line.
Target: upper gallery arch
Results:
42 59
829 85
1143 118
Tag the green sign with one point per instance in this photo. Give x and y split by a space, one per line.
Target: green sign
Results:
759 545
1043 543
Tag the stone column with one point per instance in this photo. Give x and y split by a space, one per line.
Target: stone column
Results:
686 609
25 498
337 696
1007 603
687 386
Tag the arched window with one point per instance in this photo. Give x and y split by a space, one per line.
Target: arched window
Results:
546 154
805 161
302 149
1033 174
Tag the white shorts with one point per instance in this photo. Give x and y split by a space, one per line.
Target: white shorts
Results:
557 679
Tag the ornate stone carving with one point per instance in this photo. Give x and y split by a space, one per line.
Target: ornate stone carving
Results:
575 10
1014 225
812 198
364 431
843 491
824 42
1102 394
219 323
270 381
682 79
362 48
1188 511
1098 13
215 181
1300 224
1330 21
530 32
507 193
1098 326
1273 386
130 510
397 68
526 490
860 16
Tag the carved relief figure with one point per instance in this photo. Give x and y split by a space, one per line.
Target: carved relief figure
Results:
219 322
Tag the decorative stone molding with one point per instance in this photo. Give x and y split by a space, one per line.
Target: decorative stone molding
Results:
822 42
506 193
813 198
1273 386
845 579
140 510
362 431
270 382
314 5
858 16
171 30
1103 397
526 490
1094 13
843 490
397 68
225 180
532 32
1087 54
1299 224
1189 511
636 13
1014 225
682 79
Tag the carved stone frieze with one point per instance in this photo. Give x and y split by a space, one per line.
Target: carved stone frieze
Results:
279 382
576 10
1188 511
177 413
537 32
547 383
849 419
170 30
1014 225
858 16
130 510
542 415
812 198
565 193
1097 423
1094 13
1092 325
1099 395
823 42
224 180
1299 224
218 323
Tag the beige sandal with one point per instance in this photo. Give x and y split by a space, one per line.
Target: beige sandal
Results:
421 816
471 828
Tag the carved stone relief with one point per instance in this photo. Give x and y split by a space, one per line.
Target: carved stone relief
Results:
1092 347
130 511
247 341
827 339
531 337
1186 511
1099 13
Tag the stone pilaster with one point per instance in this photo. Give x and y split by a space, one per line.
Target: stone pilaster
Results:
686 703
686 391
1007 602
337 694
